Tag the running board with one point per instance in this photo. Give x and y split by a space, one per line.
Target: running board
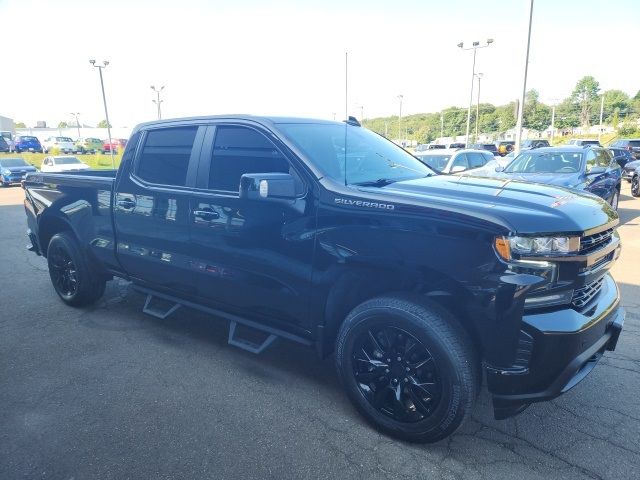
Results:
157 312
241 341
246 344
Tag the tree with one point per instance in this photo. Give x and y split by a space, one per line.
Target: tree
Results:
536 116
20 125
584 94
62 125
567 114
103 124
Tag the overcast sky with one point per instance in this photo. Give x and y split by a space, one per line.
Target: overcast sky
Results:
287 57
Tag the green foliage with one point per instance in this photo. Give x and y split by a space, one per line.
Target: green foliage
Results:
627 129
20 125
62 125
103 124
97 161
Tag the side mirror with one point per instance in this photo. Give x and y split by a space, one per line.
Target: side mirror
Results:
267 186
499 169
458 169
596 171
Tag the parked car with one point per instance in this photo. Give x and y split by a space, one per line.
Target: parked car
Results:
88 145
537 143
4 146
489 147
27 143
583 142
454 161
14 170
64 163
115 144
630 144
505 147
635 181
435 146
62 144
591 169
8 138
456 145
621 155
629 170
420 283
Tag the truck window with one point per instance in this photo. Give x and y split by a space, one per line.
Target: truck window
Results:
165 155
475 159
240 150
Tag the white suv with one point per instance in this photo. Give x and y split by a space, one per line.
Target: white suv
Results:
64 144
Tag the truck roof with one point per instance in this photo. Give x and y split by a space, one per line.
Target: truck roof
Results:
266 120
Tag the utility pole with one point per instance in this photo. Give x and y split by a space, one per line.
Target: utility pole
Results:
106 113
474 46
524 85
400 97
158 101
77 122
479 76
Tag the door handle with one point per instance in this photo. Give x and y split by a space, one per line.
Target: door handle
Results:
206 214
126 203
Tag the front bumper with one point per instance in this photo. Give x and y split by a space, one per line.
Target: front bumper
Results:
561 348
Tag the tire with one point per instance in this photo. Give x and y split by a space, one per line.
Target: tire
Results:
73 279
422 397
635 186
615 199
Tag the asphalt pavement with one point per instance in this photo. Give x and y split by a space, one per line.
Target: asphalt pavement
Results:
108 392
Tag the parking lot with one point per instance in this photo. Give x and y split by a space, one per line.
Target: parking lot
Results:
108 392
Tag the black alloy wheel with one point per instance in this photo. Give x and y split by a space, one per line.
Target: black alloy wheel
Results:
635 186
63 271
396 373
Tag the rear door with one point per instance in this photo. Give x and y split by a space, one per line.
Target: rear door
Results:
152 210
252 257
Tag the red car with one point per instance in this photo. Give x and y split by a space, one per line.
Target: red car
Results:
116 143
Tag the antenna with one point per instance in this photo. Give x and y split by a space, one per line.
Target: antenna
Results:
346 111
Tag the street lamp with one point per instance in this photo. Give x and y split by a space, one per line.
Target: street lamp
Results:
106 113
474 46
158 101
77 122
524 86
479 77
400 97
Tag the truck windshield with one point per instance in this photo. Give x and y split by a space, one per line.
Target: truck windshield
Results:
368 156
557 162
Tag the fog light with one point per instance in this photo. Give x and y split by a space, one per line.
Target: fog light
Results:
561 298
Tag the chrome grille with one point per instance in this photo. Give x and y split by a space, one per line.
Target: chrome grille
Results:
591 243
582 296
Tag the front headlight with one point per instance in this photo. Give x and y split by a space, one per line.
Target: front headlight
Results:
4 171
533 246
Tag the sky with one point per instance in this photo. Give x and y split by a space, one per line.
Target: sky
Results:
288 57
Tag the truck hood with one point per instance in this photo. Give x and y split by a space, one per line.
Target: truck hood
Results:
519 207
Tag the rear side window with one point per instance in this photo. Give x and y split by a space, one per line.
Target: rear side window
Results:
240 150
460 161
165 155
476 159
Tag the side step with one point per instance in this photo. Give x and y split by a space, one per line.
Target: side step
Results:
246 344
157 312
246 334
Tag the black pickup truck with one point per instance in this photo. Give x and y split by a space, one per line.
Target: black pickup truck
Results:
325 233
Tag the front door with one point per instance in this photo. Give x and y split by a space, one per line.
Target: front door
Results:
251 257
152 208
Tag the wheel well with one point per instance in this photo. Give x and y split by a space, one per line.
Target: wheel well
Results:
48 227
449 295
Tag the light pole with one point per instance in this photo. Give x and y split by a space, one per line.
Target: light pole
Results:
400 97
479 77
474 46
524 86
106 113
158 101
77 122
601 112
